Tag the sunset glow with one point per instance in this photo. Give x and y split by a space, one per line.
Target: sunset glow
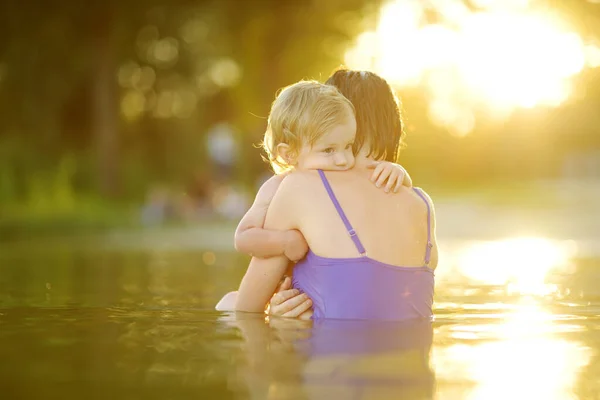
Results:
507 55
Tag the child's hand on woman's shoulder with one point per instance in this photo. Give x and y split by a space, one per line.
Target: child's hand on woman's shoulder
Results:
391 174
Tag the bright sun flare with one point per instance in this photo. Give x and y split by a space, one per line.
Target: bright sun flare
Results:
505 56
521 264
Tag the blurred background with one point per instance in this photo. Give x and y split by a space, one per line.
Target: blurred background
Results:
148 112
128 153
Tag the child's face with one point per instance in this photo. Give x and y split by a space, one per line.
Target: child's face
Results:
332 151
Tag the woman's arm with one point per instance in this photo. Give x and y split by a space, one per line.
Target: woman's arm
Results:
264 274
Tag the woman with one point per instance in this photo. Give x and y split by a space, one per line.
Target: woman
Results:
372 254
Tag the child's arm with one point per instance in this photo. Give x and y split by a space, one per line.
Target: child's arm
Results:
264 274
251 238
395 175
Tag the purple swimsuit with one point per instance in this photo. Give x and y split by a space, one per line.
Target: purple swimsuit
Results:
364 288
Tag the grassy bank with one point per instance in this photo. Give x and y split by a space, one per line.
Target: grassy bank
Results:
22 220
96 215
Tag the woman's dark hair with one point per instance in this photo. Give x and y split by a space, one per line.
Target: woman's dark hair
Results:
377 109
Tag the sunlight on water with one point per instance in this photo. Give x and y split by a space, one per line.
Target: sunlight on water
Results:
527 360
469 61
521 265
107 322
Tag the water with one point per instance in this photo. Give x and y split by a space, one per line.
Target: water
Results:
98 322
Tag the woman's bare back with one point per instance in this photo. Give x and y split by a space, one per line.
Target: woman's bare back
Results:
391 226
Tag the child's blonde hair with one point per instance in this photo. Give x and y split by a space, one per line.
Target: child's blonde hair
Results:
300 114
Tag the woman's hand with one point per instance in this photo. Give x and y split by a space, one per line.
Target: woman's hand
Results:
290 303
395 175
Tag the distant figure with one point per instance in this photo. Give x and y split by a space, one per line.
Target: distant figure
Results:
199 194
222 149
229 201
156 209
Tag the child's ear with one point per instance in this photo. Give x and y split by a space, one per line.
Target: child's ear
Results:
285 152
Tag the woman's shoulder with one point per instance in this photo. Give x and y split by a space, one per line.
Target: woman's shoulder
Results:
423 194
415 198
299 180
424 199
295 186
291 200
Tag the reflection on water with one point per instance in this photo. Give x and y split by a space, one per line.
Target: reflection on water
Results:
527 354
516 319
523 264
518 266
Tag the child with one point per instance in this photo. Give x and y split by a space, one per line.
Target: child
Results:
309 139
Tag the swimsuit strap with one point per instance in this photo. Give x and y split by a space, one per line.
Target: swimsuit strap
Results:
338 207
429 244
